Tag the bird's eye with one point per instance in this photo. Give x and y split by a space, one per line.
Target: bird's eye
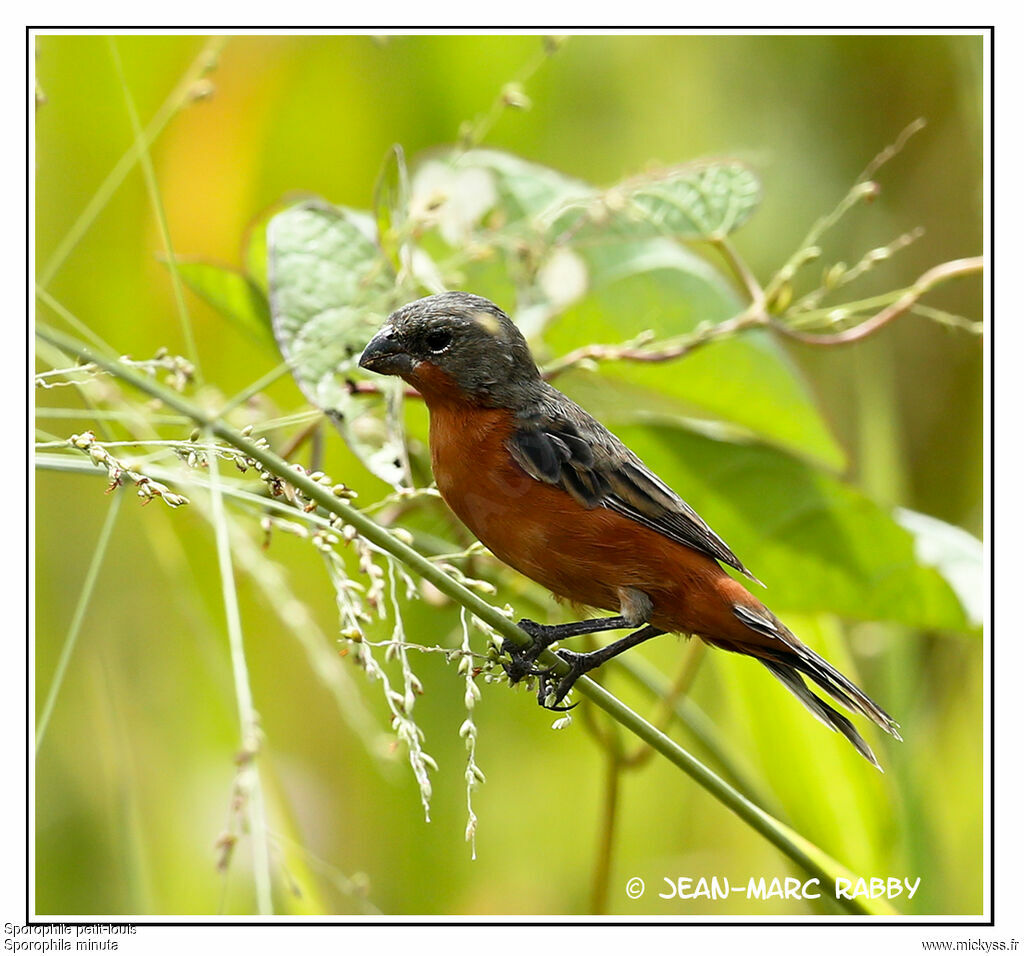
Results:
438 340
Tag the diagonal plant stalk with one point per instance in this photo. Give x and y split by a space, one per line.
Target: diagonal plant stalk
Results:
98 554
185 92
801 851
156 200
76 323
701 727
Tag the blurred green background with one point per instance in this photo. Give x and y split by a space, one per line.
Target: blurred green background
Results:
134 779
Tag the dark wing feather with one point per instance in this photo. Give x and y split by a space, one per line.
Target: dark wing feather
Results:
562 445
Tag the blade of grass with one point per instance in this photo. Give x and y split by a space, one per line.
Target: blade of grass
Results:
76 323
256 387
179 97
146 161
243 692
800 850
85 595
295 617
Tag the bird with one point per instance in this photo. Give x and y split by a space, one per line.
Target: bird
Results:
555 495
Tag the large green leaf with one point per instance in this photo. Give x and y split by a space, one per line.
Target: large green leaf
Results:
818 544
659 286
330 290
956 553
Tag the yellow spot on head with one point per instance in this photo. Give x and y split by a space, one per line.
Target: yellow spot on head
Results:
487 321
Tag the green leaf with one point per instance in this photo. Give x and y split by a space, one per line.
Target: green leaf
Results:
818 544
254 249
233 294
746 382
330 290
709 200
956 553
693 201
255 255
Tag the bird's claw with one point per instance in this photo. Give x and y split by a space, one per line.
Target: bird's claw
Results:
547 689
555 707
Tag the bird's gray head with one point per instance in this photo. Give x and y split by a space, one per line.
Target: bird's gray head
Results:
454 345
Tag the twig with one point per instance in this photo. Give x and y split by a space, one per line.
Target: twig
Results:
180 369
886 154
931 278
511 96
741 270
863 190
949 319
371 388
606 832
749 318
701 728
666 711
838 275
754 317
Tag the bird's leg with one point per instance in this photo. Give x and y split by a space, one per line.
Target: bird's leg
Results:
544 635
579 664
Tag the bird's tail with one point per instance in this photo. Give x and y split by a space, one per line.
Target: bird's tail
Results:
788 658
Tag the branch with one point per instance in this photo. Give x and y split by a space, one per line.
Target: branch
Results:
741 270
930 279
755 316
915 126
749 318
801 851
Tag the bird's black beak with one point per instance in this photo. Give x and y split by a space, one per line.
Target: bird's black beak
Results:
384 354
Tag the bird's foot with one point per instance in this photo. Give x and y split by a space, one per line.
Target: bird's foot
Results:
522 659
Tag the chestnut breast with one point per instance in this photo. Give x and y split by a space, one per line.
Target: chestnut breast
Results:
584 555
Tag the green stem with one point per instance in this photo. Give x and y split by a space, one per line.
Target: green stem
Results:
801 851
247 718
697 723
179 97
76 323
153 188
98 554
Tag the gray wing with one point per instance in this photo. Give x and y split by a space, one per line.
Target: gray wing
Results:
564 446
